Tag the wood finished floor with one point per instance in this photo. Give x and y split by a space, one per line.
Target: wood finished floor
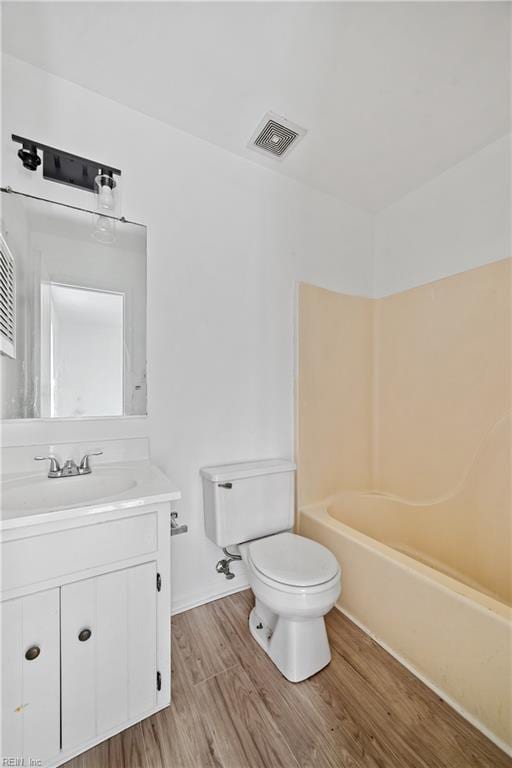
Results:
231 708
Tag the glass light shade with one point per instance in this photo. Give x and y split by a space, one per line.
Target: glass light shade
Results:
104 230
107 198
106 190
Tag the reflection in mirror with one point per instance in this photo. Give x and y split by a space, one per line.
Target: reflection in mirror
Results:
80 314
83 334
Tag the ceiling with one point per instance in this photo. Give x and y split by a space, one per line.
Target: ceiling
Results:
391 94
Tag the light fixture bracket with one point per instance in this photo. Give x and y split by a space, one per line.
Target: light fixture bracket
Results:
61 166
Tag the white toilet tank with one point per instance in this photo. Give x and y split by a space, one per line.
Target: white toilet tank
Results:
248 500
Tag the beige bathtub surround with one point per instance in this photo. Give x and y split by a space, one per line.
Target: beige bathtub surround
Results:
453 533
409 396
418 383
335 367
442 357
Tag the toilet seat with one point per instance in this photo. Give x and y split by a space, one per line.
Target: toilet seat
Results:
288 560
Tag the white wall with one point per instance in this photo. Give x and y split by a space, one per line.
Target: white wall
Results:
227 242
458 221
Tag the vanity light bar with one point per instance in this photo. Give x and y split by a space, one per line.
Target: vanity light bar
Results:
62 166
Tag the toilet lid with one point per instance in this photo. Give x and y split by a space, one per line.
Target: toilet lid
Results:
294 560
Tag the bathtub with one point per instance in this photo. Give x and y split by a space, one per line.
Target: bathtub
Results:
446 618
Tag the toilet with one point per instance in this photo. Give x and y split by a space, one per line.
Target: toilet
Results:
295 580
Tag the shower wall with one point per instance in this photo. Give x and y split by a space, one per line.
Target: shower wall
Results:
426 535
442 380
400 394
334 393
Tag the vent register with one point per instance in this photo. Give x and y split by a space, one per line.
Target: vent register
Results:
275 138
275 135
7 301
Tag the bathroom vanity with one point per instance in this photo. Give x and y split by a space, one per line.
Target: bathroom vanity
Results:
85 607
85 555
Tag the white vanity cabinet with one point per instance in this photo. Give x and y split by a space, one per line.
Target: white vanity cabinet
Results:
109 661
30 675
85 619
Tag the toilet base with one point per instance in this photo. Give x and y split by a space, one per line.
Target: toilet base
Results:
298 647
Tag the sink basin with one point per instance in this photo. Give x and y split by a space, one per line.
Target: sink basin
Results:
36 493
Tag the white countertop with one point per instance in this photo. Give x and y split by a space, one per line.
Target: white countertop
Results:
30 499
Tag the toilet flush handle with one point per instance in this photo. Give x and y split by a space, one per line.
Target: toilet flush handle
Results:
225 485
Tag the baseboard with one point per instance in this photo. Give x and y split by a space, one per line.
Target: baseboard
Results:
188 602
433 687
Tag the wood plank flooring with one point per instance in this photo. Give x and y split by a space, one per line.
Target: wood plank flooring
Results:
231 708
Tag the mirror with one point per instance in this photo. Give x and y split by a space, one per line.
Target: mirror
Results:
73 312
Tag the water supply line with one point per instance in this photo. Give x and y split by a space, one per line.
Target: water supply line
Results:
176 528
223 565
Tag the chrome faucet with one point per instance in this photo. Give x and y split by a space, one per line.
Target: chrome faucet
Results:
85 467
69 468
55 468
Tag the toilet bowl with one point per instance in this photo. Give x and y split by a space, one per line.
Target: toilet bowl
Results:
295 581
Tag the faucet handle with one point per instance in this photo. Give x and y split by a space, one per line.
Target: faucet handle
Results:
84 464
55 467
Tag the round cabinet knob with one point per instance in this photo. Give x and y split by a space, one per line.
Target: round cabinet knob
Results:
84 635
32 652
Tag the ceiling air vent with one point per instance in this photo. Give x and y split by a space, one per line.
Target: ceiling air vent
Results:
275 136
7 301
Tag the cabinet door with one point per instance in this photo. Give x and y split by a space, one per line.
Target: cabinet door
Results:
108 652
30 678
